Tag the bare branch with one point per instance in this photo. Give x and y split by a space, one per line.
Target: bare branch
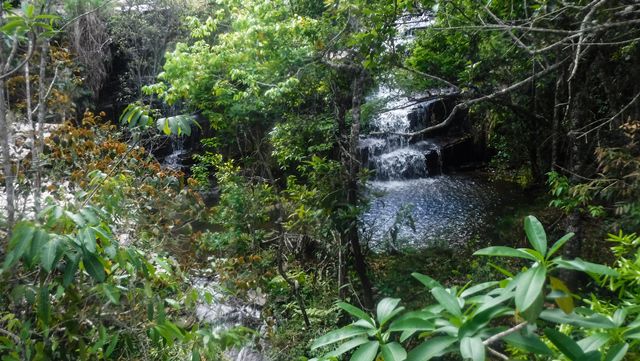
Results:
499 336
470 102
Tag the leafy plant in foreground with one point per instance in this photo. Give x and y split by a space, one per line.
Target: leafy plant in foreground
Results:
464 321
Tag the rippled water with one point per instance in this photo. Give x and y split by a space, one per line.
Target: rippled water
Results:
447 209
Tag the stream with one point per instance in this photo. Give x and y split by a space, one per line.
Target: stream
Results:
415 200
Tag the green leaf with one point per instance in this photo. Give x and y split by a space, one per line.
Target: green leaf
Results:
386 309
565 344
617 352
366 352
536 235
480 320
112 346
431 348
94 267
112 293
40 237
393 352
76 218
88 239
70 269
593 342
478 288
19 243
50 253
559 243
593 321
44 307
339 335
472 348
347 346
501 251
356 312
447 300
529 343
414 324
584 266
426 280
529 287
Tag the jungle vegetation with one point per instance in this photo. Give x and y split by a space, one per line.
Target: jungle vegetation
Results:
101 243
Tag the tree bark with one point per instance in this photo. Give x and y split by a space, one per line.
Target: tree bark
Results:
42 111
5 138
352 190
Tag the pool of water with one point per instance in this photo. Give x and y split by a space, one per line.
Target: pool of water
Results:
441 210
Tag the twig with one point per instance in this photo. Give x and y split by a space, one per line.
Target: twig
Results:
498 354
504 333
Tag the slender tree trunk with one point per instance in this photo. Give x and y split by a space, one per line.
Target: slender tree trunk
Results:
555 132
42 111
352 191
5 138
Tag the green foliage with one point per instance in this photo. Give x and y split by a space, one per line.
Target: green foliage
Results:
465 321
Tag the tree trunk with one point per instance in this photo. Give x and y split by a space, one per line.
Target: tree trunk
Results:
352 190
42 111
5 138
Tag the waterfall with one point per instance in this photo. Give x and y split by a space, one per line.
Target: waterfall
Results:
392 156
174 160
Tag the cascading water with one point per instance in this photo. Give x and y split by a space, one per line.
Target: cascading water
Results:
178 151
390 155
413 203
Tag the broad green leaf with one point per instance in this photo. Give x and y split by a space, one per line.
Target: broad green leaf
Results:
386 309
529 287
70 269
338 335
431 348
532 313
19 243
592 321
94 267
559 243
356 312
565 344
415 324
447 300
393 352
480 320
50 253
529 343
366 352
536 235
617 352
472 348
478 288
501 251
348 346
426 280
593 342
584 266
40 238
76 218
88 239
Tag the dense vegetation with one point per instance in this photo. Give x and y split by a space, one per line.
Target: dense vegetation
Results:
104 247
